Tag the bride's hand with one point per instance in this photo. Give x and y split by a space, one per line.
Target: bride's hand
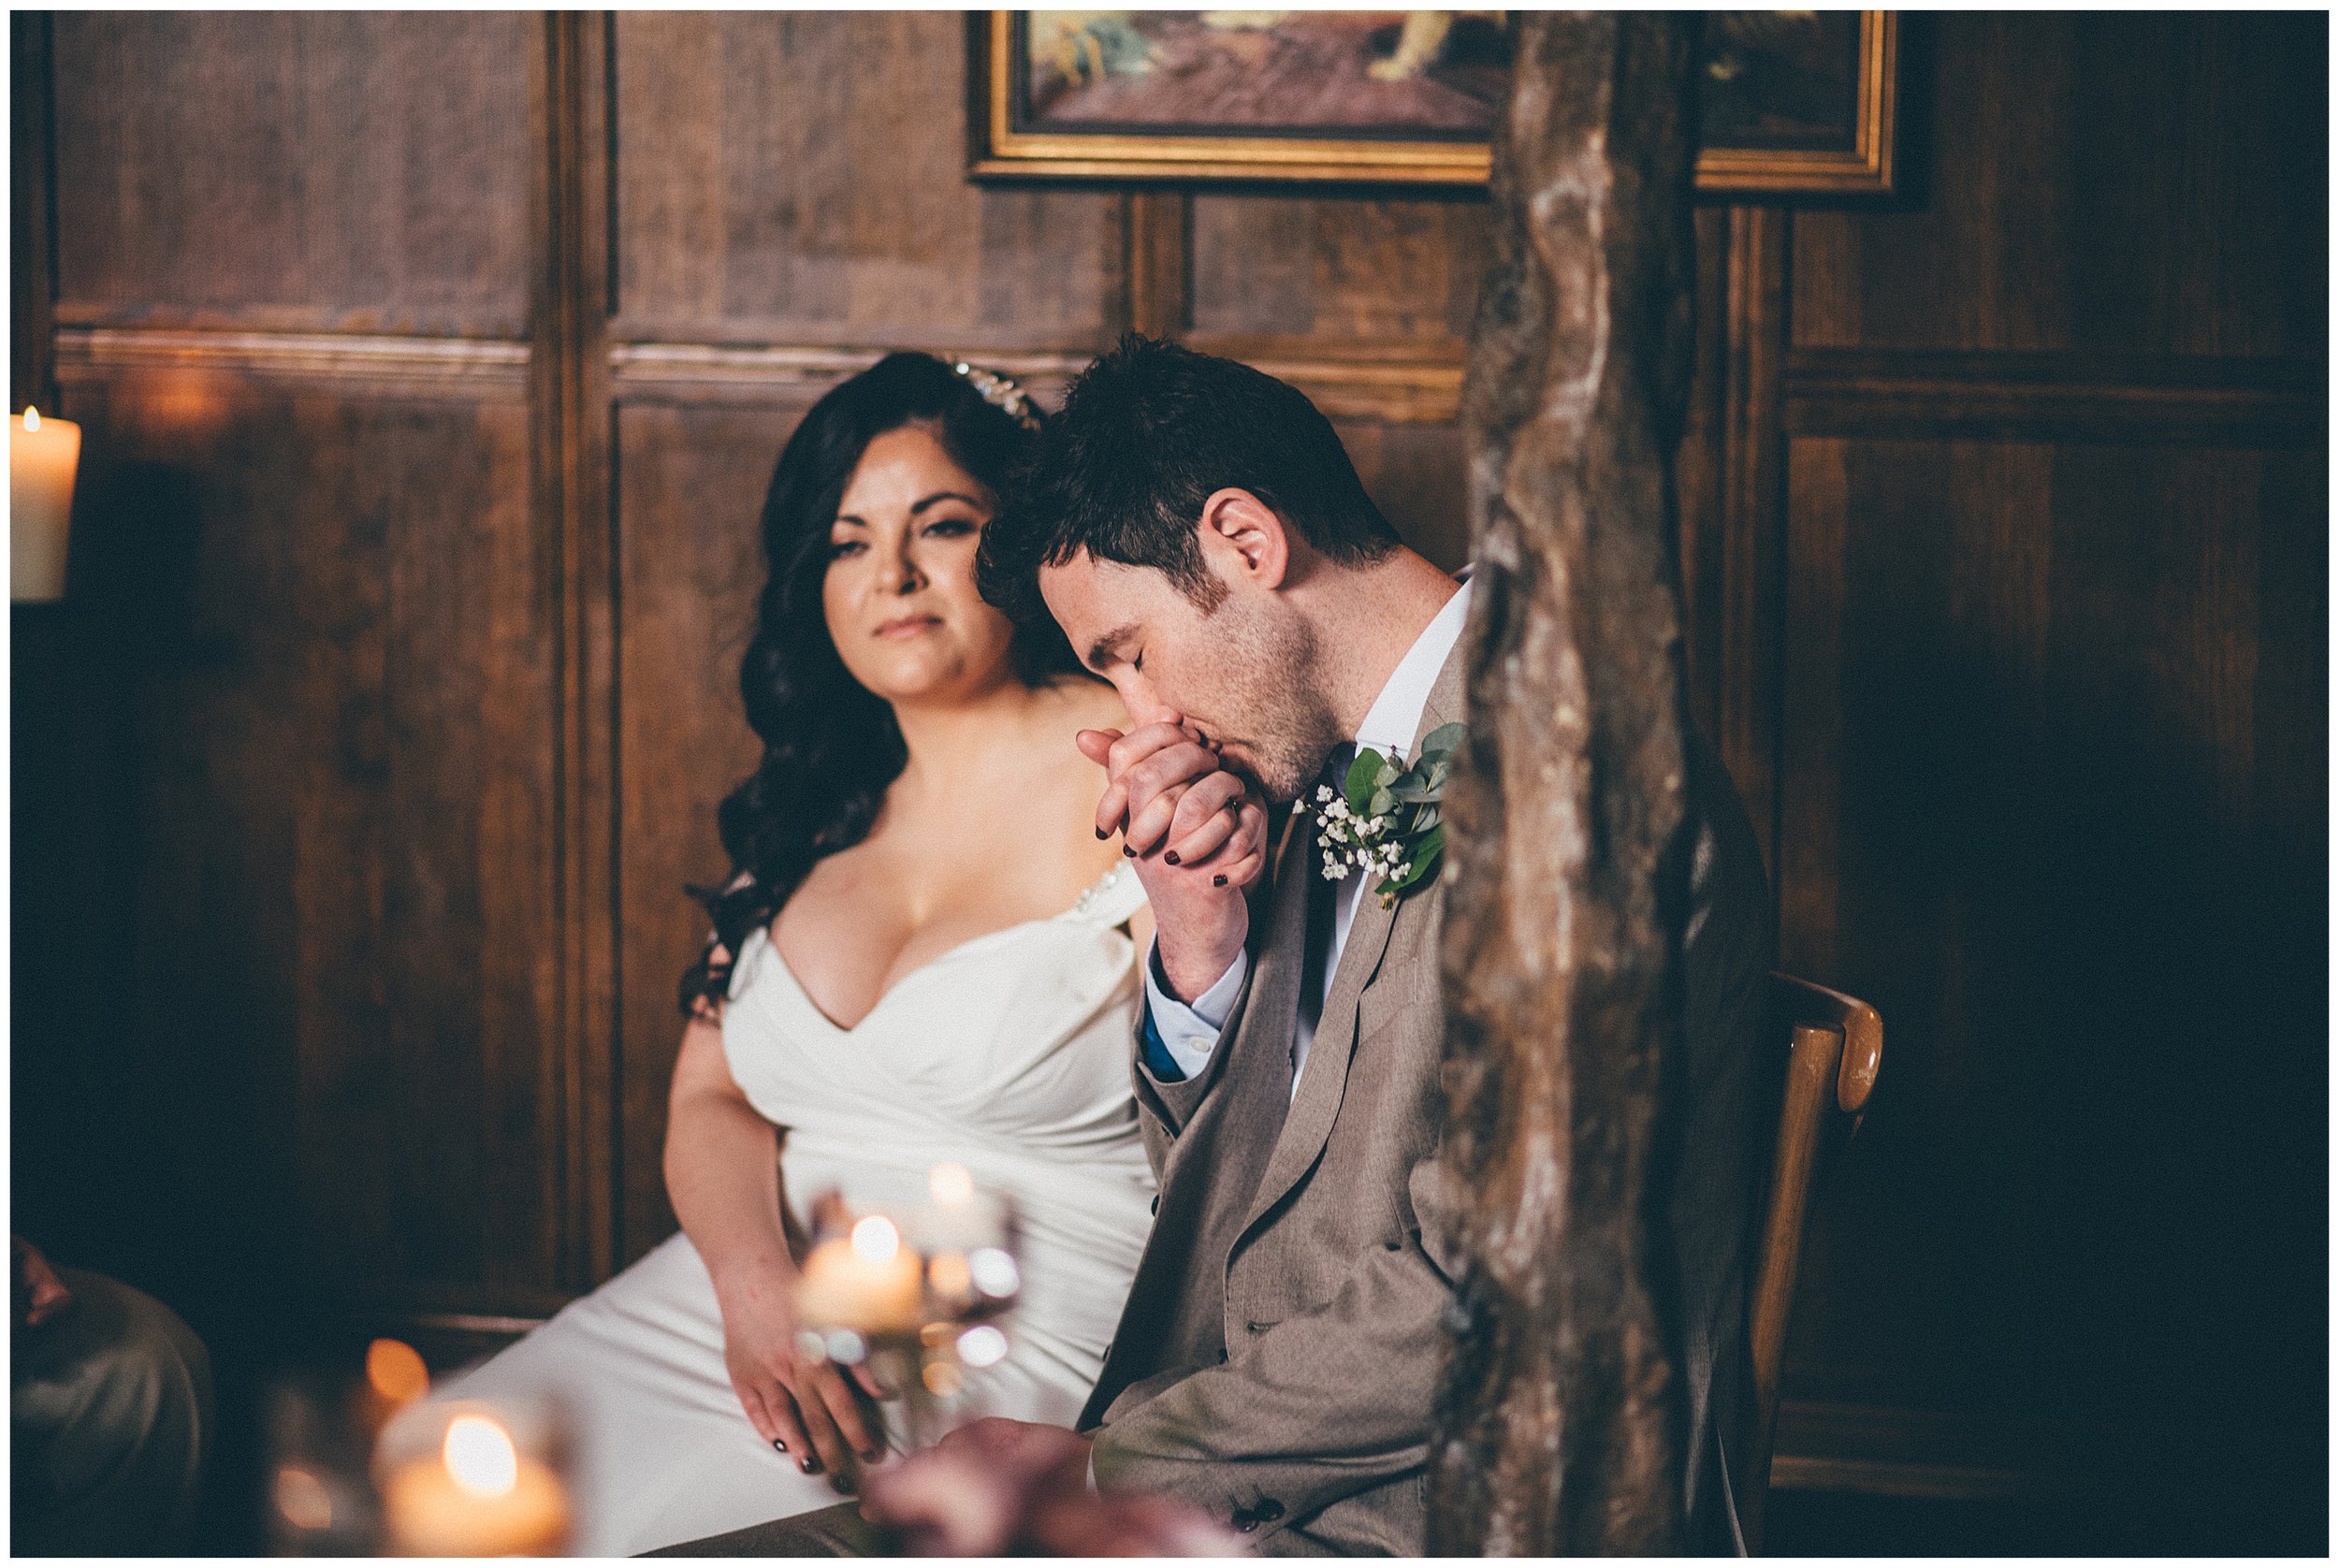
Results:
1199 837
803 1405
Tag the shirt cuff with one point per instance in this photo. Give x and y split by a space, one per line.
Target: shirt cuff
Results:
1188 1033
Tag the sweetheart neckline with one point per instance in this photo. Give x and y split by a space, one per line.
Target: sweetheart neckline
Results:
1087 895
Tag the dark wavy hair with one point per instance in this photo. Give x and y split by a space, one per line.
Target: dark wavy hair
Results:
1145 435
830 745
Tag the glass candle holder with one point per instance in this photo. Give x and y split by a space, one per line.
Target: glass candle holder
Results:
914 1294
318 1494
477 1479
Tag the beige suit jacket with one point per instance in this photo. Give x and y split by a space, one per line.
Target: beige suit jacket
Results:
1278 1356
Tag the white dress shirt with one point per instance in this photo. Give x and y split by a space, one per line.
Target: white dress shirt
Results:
1190 1033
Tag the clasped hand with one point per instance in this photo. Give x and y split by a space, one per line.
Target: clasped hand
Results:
1198 835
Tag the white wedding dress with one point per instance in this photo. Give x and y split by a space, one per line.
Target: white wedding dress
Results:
1009 1054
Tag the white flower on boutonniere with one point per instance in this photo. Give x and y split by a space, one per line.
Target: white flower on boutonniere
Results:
1386 821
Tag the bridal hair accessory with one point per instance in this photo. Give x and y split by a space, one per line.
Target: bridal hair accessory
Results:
1385 820
1000 392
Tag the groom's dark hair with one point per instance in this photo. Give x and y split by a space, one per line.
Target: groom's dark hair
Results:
1147 434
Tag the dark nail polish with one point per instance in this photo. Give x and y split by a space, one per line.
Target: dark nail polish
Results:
844 1488
871 1456
809 1464
1102 835
1219 880
1129 851
779 1444
1170 855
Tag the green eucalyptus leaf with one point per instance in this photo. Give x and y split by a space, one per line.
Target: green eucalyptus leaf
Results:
1381 803
1363 777
1444 740
1412 788
1427 820
1424 858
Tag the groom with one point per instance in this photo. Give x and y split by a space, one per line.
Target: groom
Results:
1197 528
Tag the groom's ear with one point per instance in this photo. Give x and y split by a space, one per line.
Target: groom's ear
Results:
1246 538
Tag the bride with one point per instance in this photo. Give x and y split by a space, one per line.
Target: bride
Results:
927 955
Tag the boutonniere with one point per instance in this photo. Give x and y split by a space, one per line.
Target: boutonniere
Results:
1386 821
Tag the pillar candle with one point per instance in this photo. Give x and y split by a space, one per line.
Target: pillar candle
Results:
43 455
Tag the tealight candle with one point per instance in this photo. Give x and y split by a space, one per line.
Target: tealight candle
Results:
478 1496
868 1283
43 455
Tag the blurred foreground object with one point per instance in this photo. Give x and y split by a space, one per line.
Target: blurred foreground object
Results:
469 1478
44 455
910 1300
110 1415
323 1430
995 1489
1561 1426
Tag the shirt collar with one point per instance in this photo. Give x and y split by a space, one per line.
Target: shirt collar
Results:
1395 717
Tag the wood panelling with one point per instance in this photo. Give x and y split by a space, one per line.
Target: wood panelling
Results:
2131 399
568 401
96 353
300 170
2053 750
2022 814
1414 474
798 178
317 624
690 567
2108 182
1336 270
31 219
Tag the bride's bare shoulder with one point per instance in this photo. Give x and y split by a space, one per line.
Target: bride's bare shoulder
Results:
1078 704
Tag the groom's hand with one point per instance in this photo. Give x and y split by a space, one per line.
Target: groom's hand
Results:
1199 838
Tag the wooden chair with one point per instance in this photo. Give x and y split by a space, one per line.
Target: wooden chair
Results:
1835 1044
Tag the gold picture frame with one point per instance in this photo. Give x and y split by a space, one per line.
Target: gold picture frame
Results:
1005 147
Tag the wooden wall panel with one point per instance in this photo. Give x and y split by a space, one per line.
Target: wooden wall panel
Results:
798 178
343 169
2026 688
327 958
2101 183
2052 745
1336 270
1414 474
690 568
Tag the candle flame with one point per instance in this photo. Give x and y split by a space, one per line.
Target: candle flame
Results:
951 1185
876 1239
480 1455
32 417
395 1371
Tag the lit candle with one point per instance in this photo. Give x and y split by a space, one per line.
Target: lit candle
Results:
43 455
478 1496
870 1284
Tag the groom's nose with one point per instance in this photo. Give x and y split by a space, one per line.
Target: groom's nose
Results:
1145 703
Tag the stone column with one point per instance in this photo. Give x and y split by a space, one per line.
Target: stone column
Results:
1560 1424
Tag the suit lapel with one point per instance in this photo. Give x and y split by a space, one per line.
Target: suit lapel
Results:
1325 1078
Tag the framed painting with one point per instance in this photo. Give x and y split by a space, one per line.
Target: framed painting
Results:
1792 101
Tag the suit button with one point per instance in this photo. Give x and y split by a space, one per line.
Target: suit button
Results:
1269 1509
1244 1523
1155 1204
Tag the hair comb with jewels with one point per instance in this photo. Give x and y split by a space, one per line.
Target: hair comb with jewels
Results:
1000 392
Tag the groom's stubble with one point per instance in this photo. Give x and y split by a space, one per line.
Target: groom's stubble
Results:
1274 705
